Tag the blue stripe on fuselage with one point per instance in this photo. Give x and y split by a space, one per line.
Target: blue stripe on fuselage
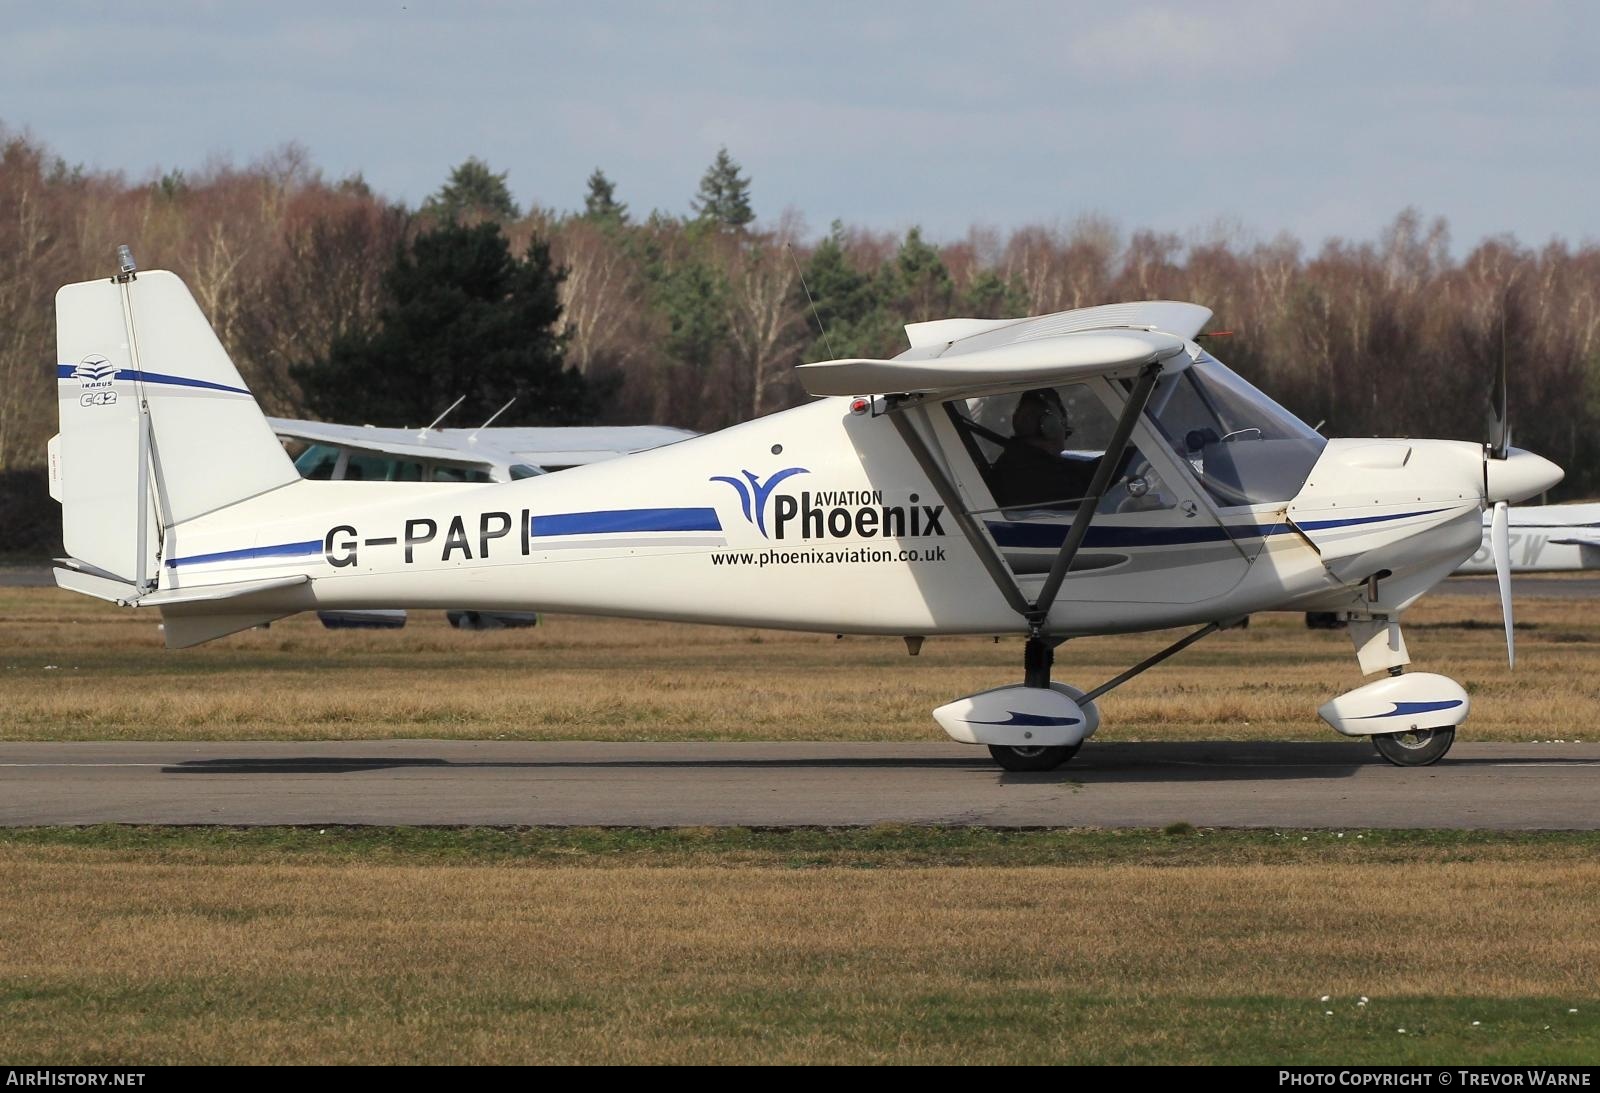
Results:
1316 525
1024 535
282 550
622 521
1053 535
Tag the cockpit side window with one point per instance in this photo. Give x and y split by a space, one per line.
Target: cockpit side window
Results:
1039 450
318 462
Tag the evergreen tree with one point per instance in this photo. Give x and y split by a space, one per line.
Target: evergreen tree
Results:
724 197
692 296
921 283
462 316
601 203
849 306
990 296
473 193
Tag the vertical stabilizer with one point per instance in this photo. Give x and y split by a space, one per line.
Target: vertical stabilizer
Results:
157 427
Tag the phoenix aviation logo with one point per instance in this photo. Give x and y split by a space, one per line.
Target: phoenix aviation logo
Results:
828 514
753 497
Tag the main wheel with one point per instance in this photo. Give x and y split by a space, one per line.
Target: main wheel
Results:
1032 758
1416 748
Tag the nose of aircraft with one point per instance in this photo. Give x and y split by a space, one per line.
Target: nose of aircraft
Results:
1520 474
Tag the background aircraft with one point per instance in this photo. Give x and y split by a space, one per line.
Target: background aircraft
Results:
1544 539
924 495
485 454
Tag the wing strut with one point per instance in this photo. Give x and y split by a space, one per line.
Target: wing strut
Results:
1040 647
1039 652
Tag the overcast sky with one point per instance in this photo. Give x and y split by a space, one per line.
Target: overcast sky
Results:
1316 119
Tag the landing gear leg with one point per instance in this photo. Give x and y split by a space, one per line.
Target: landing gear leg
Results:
1038 657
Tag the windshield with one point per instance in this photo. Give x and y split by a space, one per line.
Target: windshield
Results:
1244 448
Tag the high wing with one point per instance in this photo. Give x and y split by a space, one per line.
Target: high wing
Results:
495 448
407 443
959 355
1586 537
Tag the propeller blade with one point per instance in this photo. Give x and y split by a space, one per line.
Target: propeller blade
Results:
1499 411
1500 542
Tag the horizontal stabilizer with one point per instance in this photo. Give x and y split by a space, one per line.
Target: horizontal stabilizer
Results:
92 584
1039 362
1577 538
121 592
208 593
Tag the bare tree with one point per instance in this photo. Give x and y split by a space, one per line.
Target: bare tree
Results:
765 313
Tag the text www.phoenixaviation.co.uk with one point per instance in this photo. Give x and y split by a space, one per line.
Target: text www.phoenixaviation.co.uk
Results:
763 558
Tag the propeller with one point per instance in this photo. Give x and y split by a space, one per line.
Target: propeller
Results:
1500 543
1499 447
1499 413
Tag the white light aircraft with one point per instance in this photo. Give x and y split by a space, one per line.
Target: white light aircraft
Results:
934 493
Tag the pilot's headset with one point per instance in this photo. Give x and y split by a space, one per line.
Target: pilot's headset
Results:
1041 414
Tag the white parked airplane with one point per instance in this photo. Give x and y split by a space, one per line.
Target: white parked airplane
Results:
484 454
923 495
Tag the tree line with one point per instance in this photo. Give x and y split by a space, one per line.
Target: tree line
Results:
338 303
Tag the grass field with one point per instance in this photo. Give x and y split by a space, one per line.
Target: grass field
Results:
177 946
75 668
126 945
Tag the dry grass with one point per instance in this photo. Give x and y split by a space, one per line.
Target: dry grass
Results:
74 668
108 956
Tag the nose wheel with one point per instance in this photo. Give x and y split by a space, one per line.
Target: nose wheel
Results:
1415 748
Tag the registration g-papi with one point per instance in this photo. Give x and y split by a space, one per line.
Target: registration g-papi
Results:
1089 472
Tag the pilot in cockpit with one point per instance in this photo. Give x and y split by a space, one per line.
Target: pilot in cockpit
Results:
1034 469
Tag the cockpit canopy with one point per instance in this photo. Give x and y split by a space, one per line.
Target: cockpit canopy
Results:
1038 449
1243 447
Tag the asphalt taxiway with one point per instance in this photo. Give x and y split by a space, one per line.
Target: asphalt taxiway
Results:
429 782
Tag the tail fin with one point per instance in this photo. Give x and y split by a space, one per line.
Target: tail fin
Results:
156 425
